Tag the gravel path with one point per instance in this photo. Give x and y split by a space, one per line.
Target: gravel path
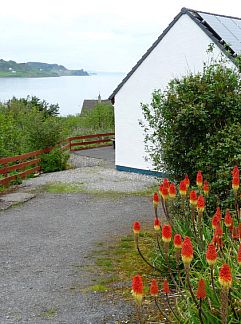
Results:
94 175
45 245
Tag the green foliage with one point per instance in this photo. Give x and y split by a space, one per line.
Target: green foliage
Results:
27 125
56 160
195 124
33 102
43 132
100 117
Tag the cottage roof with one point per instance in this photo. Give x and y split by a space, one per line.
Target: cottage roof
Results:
224 31
89 104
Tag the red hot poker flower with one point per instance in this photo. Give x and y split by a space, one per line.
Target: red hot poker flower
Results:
228 221
172 191
183 188
219 214
239 226
201 290
136 227
166 288
211 254
177 241
164 193
239 255
187 251
166 233
199 179
235 171
157 224
165 183
235 233
218 231
235 183
187 181
215 221
225 276
137 288
200 204
154 288
193 198
155 199
205 188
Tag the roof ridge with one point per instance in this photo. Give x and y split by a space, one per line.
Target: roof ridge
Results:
208 13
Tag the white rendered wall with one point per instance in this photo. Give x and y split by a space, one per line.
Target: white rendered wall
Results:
182 50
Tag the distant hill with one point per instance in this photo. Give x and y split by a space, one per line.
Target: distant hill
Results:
36 70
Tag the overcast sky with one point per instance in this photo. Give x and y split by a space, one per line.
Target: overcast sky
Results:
97 35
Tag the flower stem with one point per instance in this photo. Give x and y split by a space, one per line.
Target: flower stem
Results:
200 311
172 310
144 259
160 310
189 286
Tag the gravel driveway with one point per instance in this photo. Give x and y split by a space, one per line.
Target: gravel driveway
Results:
46 242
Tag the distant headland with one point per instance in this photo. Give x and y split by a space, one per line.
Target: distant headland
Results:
36 70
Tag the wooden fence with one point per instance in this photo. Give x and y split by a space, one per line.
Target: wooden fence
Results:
15 167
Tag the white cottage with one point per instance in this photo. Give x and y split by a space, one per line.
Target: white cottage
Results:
181 49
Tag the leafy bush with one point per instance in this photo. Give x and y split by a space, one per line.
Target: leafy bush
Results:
43 132
56 160
195 123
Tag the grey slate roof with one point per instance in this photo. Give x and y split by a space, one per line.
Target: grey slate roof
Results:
89 104
224 31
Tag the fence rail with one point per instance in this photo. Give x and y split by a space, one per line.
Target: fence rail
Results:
29 163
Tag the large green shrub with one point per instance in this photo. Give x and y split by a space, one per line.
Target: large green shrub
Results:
56 160
195 124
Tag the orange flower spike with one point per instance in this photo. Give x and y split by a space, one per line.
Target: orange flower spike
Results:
235 233
183 188
166 288
155 199
177 241
228 221
235 183
187 251
187 181
165 183
211 254
137 289
157 224
172 191
225 276
136 228
201 290
160 188
239 226
235 171
166 233
218 231
215 221
206 188
200 204
199 179
164 193
239 255
193 198
219 214
154 288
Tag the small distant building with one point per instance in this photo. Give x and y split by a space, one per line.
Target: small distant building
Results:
90 104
